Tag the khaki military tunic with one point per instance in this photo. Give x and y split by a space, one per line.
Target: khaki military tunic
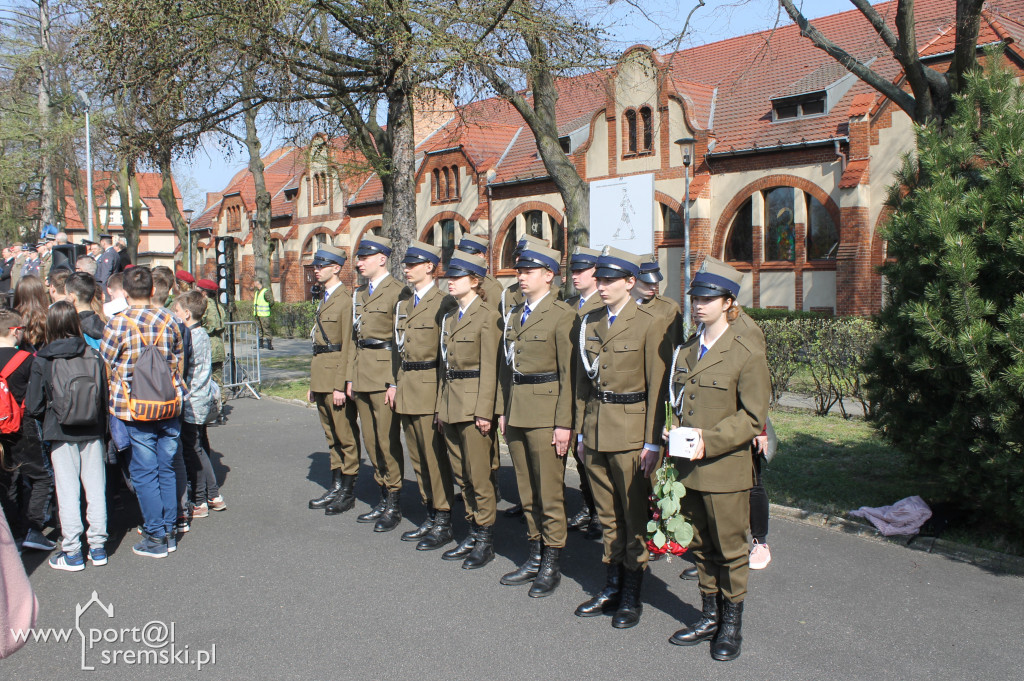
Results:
329 371
591 304
618 410
373 371
417 335
726 394
668 310
541 347
470 344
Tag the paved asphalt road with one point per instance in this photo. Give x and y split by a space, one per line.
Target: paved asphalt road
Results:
287 593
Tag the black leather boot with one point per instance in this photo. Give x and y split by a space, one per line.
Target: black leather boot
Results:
689 573
705 628
346 500
332 492
580 520
630 607
607 601
440 532
726 645
378 510
549 576
525 573
422 531
483 549
392 514
464 548
594 529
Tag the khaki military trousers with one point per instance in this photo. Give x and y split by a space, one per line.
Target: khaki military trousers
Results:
430 462
720 521
470 453
382 440
540 474
620 494
341 430
264 325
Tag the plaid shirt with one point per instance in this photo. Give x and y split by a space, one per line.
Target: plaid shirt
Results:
121 346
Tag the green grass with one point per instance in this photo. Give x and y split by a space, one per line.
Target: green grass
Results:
293 390
293 363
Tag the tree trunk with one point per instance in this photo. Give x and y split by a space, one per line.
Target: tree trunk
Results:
46 191
131 209
400 190
261 222
170 203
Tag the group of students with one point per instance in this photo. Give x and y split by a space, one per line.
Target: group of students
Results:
67 363
590 375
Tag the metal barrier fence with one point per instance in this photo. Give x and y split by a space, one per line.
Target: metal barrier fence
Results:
242 361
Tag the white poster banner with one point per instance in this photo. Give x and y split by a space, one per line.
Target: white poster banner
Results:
622 213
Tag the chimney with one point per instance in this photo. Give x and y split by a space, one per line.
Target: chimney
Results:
212 198
432 108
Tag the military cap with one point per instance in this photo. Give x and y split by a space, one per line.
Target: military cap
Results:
207 284
616 264
182 275
535 255
715 278
472 244
583 259
329 255
525 240
463 264
419 252
101 237
650 272
371 243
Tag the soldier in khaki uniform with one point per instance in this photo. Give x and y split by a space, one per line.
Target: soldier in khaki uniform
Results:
332 358
477 245
373 372
646 294
417 334
465 403
535 402
719 385
619 385
582 264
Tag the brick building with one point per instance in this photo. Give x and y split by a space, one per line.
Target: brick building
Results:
791 162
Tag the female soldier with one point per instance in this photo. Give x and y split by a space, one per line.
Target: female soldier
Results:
719 386
466 401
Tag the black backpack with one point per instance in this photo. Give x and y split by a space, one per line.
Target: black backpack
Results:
152 395
75 395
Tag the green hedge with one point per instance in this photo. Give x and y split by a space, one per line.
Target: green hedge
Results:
759 314
287 320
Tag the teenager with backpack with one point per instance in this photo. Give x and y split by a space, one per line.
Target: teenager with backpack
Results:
67 391
15 367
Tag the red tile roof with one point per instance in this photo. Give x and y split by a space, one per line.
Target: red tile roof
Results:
856 173
103 185
861 104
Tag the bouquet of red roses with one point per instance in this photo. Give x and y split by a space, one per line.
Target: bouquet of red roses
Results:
667 531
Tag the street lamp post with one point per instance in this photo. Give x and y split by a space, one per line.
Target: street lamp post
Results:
88 163
188 236
686 145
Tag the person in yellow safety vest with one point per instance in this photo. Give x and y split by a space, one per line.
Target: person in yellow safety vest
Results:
261 301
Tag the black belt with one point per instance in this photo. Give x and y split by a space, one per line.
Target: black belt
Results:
620 398
453 375
419 366
321 349
533 379
373 344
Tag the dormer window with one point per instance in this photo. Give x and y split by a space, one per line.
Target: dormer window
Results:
798 107
639 131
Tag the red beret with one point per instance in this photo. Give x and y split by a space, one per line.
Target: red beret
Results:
128 267
207 284
182 275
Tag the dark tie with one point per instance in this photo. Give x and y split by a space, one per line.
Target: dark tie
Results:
611 319
703 349
580 306
416 300
460 314
369 289
526 313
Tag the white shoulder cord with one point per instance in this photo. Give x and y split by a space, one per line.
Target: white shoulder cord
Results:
675 400
510 348
444 334
356 318
399 339
592 369
505 315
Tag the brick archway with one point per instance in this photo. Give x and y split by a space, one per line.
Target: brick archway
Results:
445 215
372 224
499 239
310 237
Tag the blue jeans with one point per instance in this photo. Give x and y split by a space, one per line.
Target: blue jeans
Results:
154 444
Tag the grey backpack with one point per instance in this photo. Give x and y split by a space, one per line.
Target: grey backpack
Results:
75 397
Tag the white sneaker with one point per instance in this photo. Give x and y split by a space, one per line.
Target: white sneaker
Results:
760 556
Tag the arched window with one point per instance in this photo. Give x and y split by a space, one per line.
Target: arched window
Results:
508 248
780 224
453 192
630 131
437 184
445 234
447 184
672 223
740 245
822 235
646 121
534 223
275 258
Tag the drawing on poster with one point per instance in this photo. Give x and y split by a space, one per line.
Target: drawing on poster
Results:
626 221
622 213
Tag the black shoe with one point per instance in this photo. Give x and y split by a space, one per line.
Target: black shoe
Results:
630 607
332 492
726 645
594 529
514 512
464 548
270 345
377 511
705 628
581 520
689 573
392 514
422 531
549 576
483 549
440 532
346 499
607 601
528 570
